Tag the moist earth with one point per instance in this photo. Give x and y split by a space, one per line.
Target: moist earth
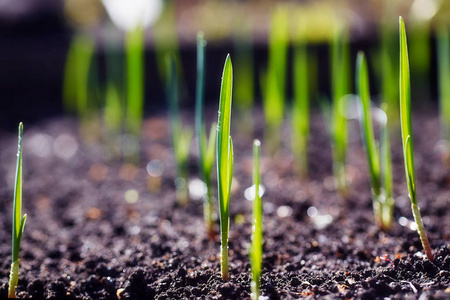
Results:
99 228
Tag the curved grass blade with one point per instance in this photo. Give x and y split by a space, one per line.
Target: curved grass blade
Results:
224 160
18 220
405 121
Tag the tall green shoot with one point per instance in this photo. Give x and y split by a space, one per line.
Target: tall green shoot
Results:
18 221
205 148
275 85
134 47
405 121
257 228
300 111
224 161
181 137
443 54
340 87
381 189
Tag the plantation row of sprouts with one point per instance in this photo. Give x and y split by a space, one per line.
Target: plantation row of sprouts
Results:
218 144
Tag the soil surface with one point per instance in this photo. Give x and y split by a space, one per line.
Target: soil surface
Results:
101 229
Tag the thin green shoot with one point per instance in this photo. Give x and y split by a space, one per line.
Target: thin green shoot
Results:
181 137
443 53
224 161
405 121
275 84
257 228
382 202
205 148
18 221
300 111
340 88
134 46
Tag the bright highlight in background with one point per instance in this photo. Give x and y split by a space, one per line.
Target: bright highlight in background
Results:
130 14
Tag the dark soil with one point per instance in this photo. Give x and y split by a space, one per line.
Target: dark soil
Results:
83 240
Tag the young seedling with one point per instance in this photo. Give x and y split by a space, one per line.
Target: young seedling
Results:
181 137
224 161
443 50
381 189
405 121
18 221
205 148
257 228
340 88
274 86
300 111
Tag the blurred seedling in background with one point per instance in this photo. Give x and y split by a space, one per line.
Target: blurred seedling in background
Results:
443 55
81 95
340 74
408 152
273 84
224 161
18 221
379 162
206 147
181 135
244 73
300 109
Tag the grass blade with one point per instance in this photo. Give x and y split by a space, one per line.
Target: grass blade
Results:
405 121
18 221
224 160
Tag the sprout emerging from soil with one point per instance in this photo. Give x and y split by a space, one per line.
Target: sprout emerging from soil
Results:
340 88
383 203
257 228
205 148
405 121
224 160
18 221
181 137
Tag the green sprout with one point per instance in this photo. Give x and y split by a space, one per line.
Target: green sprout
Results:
383 201
443 53
181 137
134 46
224 161
340 87
405 121
205 148
18 221
300 111
257 228
274 86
